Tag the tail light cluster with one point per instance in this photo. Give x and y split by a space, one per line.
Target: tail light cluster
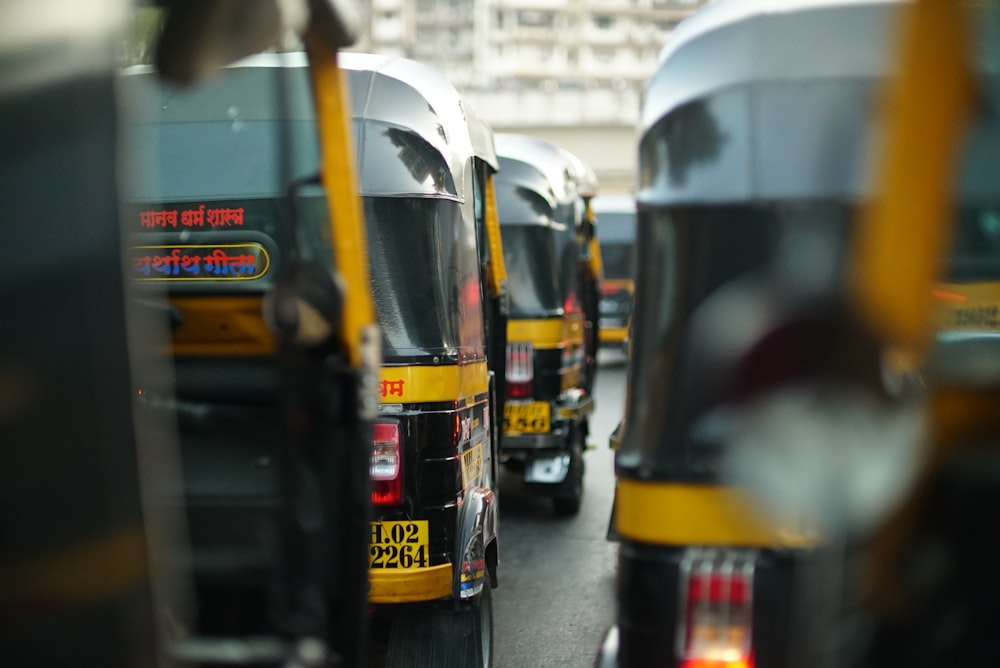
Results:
716 609
520 370
386 468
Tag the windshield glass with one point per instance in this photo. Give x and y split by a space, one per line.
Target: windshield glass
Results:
689 257
425 279
531 254
618 260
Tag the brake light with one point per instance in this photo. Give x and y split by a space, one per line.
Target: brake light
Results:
716 609
386 467
520 370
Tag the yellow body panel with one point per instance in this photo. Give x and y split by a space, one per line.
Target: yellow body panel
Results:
409 586
221 327
679 514
547 333
428 384
82 574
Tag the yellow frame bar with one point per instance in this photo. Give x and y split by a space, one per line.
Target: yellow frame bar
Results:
900 243
350 245
497 270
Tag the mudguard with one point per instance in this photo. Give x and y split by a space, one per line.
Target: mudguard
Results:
477 522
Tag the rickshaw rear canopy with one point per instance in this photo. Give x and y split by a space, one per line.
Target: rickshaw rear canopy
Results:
748 102
415 108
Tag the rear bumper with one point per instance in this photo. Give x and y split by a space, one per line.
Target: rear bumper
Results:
410 585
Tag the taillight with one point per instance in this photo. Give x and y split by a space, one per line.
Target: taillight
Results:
386 467
716 606
520 370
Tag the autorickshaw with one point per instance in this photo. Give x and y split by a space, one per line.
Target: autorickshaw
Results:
546 415
243 231
426 161
616 222
591 265
751 168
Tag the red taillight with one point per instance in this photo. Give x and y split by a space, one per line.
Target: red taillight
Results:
386 467
520 370
716 609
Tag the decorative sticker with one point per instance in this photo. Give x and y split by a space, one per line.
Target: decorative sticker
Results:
204 262
391 388
472 465
172 219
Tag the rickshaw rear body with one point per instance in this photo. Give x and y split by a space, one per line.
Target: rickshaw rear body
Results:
616 223
424 158
750 146
228 227
548 403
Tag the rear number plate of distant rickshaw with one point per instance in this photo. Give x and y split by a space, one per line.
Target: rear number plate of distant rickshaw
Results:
530 418
401 545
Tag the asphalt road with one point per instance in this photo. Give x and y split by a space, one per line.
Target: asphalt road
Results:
555 597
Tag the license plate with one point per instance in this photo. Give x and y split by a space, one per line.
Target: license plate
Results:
398 545
530 418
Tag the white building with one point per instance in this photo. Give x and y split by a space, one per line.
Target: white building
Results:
568 70
527 43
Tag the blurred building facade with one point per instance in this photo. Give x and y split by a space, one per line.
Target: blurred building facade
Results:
571 71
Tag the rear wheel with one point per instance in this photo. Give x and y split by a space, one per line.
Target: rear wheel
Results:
444 637
568 502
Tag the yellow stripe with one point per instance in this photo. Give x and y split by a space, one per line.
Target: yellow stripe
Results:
410 585
221 326
426 384
674 514
901 241
547 333
350 245
618 284
497 269
613 334
88 573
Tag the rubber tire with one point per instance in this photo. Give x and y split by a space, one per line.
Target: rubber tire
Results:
444 637
569 504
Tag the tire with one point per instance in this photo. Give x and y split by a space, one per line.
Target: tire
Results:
571 496
444 637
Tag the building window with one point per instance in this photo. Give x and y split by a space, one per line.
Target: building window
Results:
603 21
604 56
535 19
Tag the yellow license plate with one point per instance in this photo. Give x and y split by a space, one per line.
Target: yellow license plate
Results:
530 418
399 545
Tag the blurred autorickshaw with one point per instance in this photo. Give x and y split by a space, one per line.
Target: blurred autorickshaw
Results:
751 168
546 415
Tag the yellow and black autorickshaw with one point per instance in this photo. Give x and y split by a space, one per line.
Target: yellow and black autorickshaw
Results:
616 221
546 415
751 170
590 264
426 162
243 231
